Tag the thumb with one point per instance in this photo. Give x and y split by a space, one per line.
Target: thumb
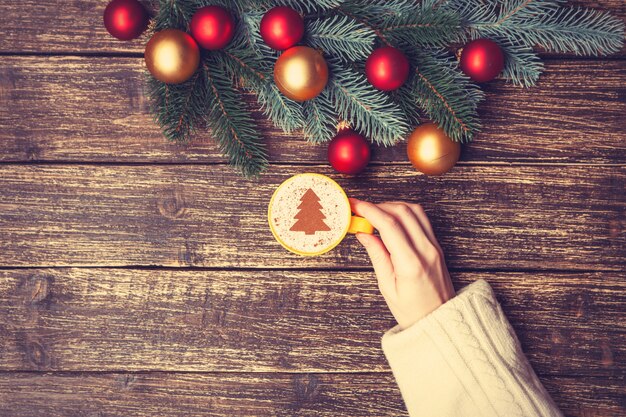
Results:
381 261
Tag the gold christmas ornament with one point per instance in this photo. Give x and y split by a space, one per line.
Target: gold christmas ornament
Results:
431 151
301 73
172 56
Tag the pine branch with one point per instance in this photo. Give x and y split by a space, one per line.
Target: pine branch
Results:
340 36
522 66
581 31
542 23
445 94
302 6
367 109
320 119
407 102
233 128
251 27
178 109
262 6
249 71
236 6
309 6
429 27
208 98
173 14
346 31
377 12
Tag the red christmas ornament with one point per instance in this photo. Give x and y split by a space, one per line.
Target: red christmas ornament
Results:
482 60
212 27
282 27
125 19
348 152
387 68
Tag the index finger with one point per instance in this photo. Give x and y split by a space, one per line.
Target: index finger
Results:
391 231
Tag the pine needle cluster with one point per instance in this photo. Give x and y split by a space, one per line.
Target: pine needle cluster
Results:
347 31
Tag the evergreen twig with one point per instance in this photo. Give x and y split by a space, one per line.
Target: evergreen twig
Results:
178 108
341 37
320 119
249 71
542 23
347 31
522 66
368 110
233 128
431 27
445 94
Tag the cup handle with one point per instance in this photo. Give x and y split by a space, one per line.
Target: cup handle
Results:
360 225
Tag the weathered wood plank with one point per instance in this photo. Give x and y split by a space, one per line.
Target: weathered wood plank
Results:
276 395
516 217
94 109
277 321
43 26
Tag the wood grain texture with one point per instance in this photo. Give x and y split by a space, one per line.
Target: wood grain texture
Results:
252 395
43 26
249 336
486 217
94 109
279 321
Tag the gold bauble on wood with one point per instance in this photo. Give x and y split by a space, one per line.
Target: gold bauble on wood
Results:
172 56
431 151
301 73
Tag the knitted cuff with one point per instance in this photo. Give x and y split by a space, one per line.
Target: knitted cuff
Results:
468 349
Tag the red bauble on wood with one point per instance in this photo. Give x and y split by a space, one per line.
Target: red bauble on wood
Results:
213 27
282 27
482 60
387 68
349 152
125 19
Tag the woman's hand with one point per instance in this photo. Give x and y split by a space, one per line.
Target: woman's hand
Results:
407 259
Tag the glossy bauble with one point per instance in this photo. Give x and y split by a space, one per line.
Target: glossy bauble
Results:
301 73
172 56
125 19
213 27
482 60
431 151
387 68
348 152
282 27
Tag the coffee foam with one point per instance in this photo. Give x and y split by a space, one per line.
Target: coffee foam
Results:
284 209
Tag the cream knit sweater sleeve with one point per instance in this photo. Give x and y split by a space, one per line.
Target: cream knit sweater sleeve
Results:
464 359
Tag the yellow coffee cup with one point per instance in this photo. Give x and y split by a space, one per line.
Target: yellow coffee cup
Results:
309 214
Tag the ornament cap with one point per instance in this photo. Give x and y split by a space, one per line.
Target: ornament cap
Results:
343 125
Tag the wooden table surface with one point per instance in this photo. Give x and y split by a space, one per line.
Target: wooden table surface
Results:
139 278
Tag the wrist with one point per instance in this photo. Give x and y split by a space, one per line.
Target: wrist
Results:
426 305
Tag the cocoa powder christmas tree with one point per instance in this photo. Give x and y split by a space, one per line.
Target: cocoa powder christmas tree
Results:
310 218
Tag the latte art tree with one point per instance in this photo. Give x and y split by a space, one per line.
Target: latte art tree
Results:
310 218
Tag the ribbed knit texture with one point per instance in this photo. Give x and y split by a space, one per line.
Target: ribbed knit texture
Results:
464 359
